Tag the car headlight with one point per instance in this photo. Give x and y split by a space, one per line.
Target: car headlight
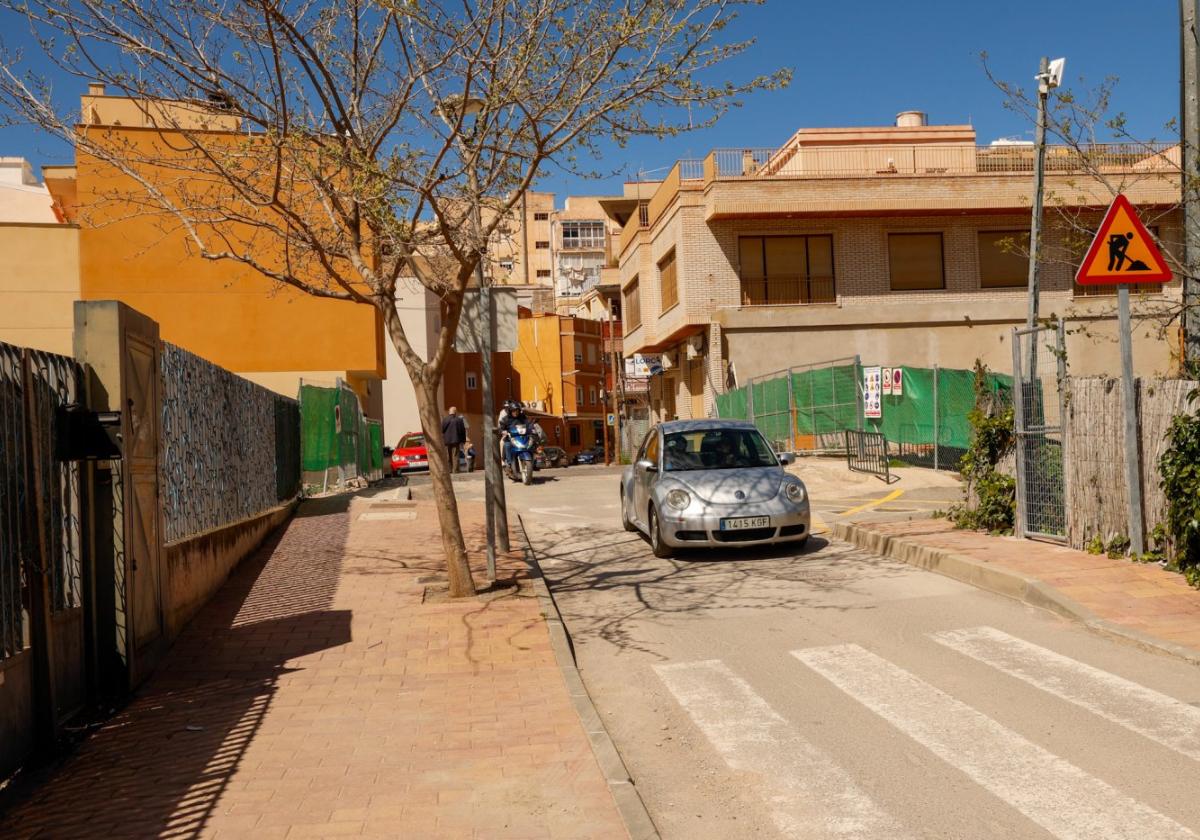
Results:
795 492
678 499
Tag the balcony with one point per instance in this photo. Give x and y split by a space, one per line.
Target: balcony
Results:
787 290
930 159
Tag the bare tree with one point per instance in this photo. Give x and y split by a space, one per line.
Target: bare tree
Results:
1099 158
324 144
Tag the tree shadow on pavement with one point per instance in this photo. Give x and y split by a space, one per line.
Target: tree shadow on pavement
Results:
626 586
159 767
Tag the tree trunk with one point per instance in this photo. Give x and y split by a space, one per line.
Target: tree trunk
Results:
453 544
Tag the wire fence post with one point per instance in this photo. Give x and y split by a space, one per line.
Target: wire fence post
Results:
858 390
937 410
750 400
791 409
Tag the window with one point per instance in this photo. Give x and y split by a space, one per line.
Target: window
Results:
543 273
541 217
716 449
472 382
786 269
578 396
668 281
574 435
578 352
583 235
591 354
592 396
652 448
1002 258
915 261
633 305
541 244
506 265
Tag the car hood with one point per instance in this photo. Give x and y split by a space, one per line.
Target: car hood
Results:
721 487
409 451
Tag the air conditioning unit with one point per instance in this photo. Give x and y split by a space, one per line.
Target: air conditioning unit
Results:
537 405
695 347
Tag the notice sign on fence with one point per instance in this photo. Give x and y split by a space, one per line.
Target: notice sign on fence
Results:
897 382
887 381
872 392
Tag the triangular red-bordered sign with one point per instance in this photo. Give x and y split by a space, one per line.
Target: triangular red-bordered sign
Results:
1123 251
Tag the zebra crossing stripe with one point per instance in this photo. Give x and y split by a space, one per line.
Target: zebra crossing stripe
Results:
1055 794
808 794
1160 718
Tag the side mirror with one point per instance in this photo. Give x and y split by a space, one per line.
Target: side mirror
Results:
787 458
647 465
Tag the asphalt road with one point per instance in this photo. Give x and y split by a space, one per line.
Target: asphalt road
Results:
836 694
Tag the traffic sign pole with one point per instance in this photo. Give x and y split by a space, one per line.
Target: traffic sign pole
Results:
1133 472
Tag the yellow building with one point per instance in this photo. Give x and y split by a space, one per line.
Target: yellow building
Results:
221 310
559 366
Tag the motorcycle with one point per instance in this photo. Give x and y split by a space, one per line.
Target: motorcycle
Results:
519 461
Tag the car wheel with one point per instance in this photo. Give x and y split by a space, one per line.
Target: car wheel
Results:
660 548
629 526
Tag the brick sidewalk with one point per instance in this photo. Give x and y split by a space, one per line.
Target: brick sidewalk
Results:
1142 597
321 693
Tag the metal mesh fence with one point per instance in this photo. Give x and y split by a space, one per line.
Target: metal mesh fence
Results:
13 536
1039 365
33 386
809 409
228 446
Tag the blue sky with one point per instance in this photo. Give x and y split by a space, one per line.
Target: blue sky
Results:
860 63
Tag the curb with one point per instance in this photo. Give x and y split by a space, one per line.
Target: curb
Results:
624 792
980 574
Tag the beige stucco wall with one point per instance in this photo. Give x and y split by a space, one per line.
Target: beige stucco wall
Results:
39 284
418 310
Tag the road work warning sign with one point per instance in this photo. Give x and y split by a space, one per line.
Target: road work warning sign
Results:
1123 251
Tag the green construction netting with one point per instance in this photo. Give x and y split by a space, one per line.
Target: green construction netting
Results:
825 401
334 433
375 428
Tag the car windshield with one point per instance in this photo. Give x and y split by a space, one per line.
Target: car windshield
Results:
410 441
716 449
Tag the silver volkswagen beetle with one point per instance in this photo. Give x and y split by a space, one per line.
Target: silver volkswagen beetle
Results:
712 483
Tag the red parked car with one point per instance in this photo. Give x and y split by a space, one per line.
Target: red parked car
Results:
410 453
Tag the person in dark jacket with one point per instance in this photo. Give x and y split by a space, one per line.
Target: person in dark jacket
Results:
454 433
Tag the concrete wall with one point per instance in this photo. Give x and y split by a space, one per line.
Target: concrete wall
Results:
418 310
196 567
38 285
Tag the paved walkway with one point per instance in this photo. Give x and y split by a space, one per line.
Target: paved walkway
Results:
324 692
1142 597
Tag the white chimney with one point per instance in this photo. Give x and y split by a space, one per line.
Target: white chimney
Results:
911 119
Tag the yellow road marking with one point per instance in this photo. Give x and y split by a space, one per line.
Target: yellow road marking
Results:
895 494
817 526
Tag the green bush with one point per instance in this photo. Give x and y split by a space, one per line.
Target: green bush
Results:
1179 467
989 496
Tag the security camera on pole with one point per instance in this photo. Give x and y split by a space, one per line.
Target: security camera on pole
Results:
1049 76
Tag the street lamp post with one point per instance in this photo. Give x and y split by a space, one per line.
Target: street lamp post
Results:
495 508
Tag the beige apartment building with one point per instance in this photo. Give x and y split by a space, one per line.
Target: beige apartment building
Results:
900 244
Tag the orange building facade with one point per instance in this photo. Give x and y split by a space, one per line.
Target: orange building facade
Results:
222 310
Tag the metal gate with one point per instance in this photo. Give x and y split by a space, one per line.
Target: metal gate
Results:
1039 379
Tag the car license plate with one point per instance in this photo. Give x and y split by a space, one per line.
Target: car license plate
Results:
742 522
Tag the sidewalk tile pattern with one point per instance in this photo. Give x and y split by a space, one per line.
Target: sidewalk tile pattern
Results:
322 693
1143 597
